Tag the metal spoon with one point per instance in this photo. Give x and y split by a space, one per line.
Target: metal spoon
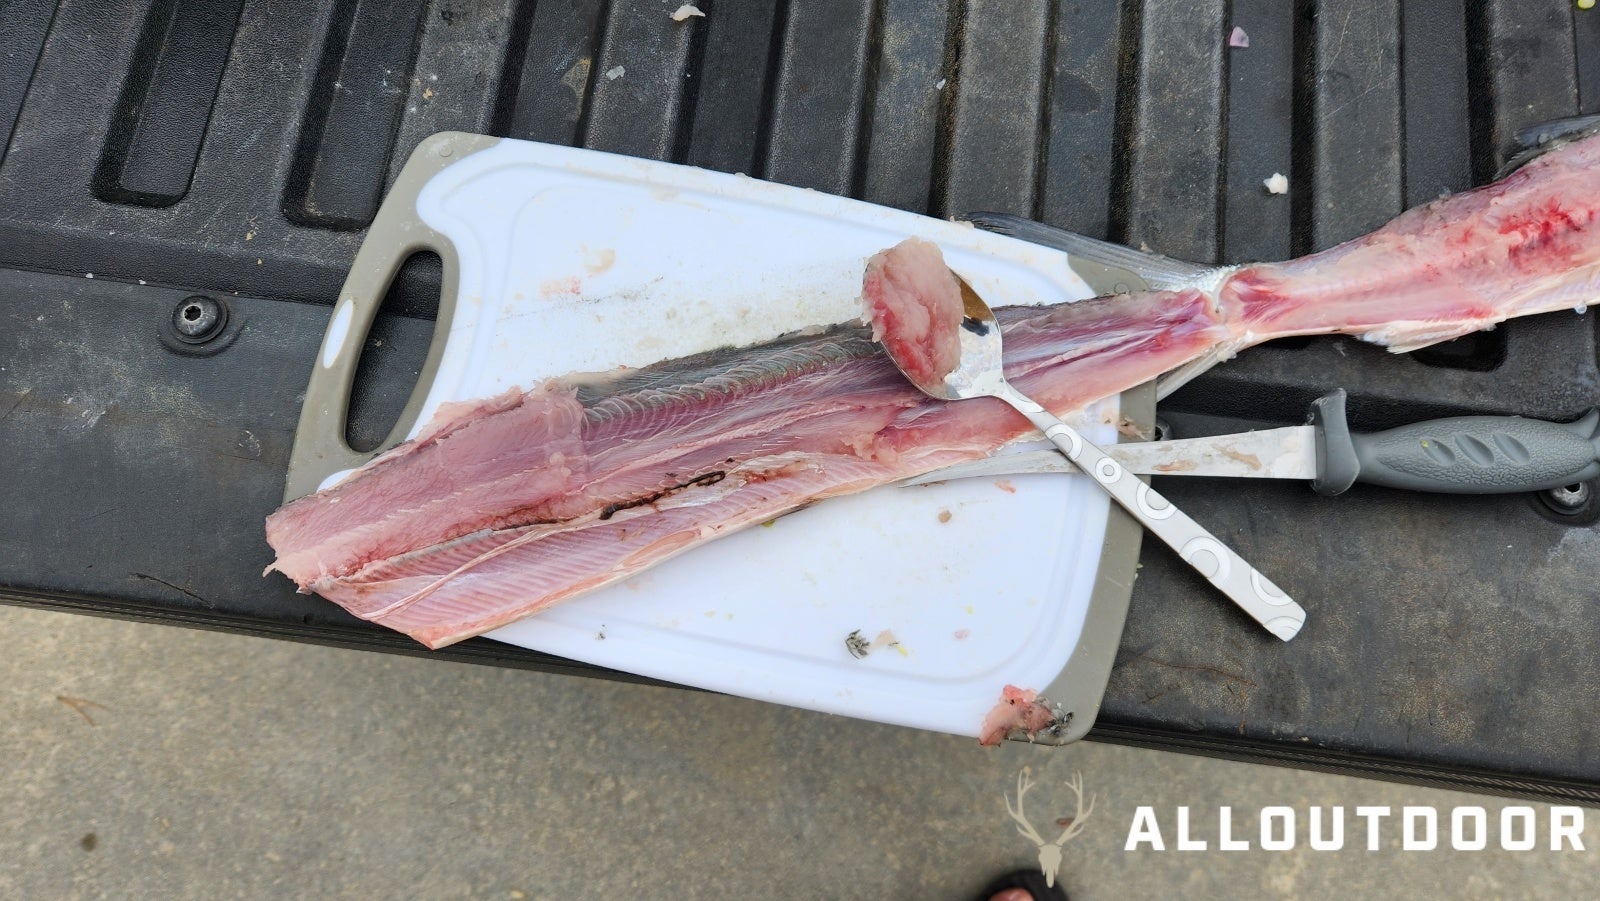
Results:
979 374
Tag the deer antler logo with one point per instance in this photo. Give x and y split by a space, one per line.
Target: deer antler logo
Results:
1049 852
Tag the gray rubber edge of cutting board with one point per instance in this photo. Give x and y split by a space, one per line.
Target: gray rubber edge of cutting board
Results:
397 232
1081 685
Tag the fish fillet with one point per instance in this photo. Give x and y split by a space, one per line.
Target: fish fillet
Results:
506 506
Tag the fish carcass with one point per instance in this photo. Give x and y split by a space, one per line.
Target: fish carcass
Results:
503 507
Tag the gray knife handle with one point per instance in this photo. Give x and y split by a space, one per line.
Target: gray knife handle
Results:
1460 455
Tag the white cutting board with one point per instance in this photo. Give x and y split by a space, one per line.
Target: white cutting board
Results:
573 260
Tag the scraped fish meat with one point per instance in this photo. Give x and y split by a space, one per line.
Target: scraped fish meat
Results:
914 303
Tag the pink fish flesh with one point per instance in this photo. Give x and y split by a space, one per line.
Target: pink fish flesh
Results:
509 505
914 304
1018 708
504 507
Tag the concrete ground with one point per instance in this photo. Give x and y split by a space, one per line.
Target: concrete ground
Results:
144 761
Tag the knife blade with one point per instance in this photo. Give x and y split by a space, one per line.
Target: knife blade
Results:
1458 455
1284 453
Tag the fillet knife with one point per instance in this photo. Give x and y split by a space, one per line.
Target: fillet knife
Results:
1458 455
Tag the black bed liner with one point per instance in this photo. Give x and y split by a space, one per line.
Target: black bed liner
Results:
237 150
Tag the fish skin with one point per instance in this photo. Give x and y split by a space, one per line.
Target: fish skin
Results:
815 416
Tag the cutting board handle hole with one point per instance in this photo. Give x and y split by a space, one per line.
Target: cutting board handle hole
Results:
393 353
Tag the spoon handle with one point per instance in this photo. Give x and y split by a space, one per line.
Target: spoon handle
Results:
1265 602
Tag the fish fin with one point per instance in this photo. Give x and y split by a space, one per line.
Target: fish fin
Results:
1543 133
1159 272
1534 141
1186 373
1397 338
1405 337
